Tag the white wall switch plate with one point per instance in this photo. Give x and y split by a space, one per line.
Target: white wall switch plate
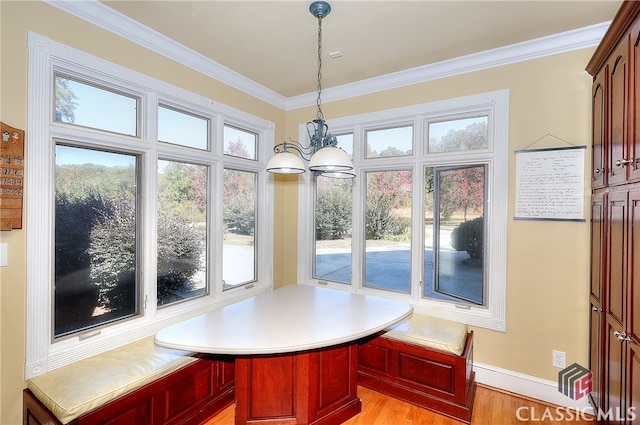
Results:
4 254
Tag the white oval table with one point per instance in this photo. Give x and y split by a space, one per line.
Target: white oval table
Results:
295 347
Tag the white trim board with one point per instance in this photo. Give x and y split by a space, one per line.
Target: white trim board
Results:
528 386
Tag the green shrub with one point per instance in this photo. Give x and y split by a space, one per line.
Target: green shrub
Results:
333 213
180 254
382 221
112 250
469 237
73 221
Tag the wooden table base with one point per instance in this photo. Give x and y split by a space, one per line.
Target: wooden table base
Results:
316 387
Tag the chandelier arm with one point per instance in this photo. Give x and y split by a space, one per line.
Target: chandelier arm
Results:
305 152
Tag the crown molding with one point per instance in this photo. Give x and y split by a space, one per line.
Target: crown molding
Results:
96 13
104 17
532 49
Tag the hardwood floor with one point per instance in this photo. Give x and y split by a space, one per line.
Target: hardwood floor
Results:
491 407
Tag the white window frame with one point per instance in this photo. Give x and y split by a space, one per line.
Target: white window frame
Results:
46 57
496 106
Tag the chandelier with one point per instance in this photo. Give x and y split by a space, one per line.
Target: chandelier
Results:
324 156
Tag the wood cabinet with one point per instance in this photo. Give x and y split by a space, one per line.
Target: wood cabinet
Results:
615 220
615 101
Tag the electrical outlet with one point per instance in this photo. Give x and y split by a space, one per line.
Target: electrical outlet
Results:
559 359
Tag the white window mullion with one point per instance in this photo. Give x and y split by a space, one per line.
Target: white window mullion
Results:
216 223
357 229
149 214
417 234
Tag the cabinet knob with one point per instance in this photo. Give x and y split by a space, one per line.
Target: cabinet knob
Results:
622 162
597 171
596 309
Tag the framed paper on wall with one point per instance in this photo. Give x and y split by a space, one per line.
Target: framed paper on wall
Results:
550 184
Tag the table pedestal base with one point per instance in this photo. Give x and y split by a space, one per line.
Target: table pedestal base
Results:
317 387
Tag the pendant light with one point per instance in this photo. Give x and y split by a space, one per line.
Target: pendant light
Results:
324 156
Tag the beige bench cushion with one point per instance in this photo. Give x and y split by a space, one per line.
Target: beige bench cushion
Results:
73 390
431 332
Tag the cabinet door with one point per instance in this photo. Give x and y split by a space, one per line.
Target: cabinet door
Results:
633 254
632 154
596 360
618 112
598 133
617 257
633 383
614 368
598 237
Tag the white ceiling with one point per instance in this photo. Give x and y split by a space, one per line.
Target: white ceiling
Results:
274 43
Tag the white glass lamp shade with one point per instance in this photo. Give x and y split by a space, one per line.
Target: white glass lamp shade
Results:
330 159
285 163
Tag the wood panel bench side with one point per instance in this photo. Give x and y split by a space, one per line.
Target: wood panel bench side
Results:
435 380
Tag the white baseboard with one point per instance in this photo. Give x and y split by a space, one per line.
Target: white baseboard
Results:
528 386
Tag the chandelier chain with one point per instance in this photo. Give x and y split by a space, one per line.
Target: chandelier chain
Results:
319 100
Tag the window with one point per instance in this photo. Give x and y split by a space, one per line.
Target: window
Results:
182 128
181 229
240 143
387 230
425 218
239 212
454 229
389 142
84 104
333 221
154 213
96 247
333 230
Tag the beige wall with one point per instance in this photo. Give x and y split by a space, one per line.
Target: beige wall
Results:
547 261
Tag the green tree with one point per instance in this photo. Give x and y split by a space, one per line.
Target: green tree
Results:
237 148
472 137
65 101
182 190
239 202
386 192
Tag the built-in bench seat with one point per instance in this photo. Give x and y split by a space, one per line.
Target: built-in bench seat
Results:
422 360
138 383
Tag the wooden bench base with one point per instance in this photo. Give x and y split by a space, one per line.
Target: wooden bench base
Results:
190 395
435 380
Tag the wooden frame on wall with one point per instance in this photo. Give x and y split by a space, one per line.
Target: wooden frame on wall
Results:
11 177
